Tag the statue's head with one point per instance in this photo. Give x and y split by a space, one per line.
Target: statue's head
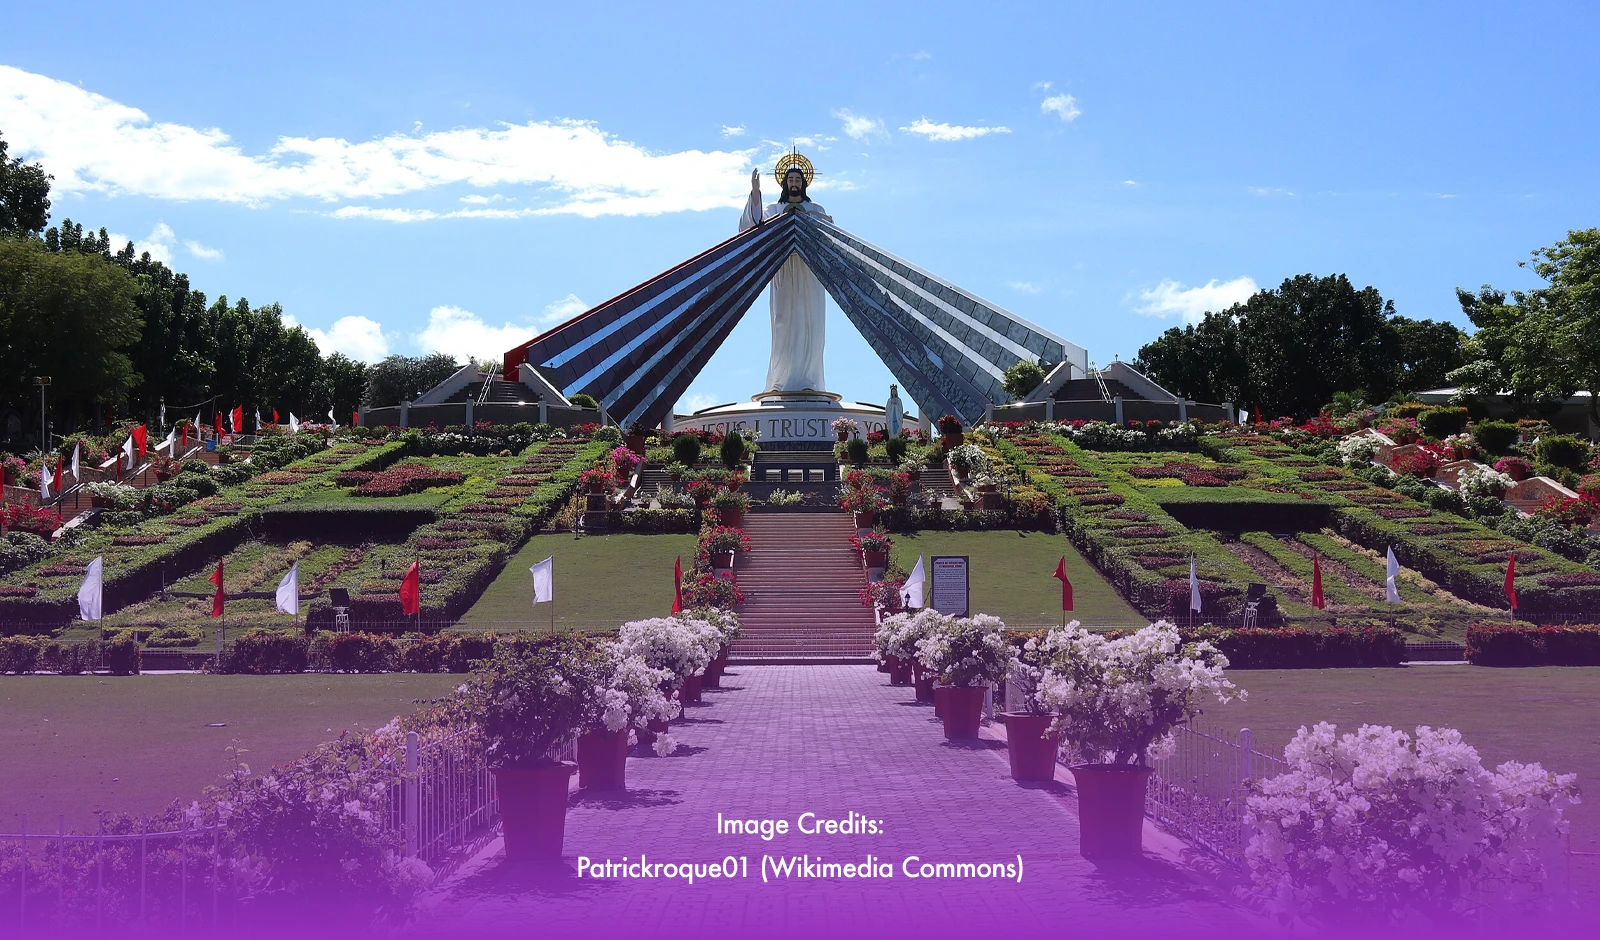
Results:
794 185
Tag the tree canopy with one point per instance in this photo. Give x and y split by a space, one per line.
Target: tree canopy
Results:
24 195
1289 350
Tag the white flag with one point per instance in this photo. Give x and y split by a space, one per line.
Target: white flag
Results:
332 421
163 414
76 450
294 424
544 580
1244 416
289 591
127 451
45 479
1394 572
198 427
89 592
258 420
911 591
171 443
1194 587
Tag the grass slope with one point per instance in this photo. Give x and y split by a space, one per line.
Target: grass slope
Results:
1011 576
600 581
76 744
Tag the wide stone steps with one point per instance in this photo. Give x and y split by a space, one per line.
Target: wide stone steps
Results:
801 581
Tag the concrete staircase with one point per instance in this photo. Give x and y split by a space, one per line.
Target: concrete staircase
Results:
801 585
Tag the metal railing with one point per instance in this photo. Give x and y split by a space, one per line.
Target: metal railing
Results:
1199 791
445 804
166 878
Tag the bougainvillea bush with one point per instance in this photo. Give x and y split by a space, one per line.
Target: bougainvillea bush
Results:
1379 825
966 651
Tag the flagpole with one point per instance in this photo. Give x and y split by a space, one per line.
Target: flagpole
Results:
552 594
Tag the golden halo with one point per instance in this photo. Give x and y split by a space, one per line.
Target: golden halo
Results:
797 160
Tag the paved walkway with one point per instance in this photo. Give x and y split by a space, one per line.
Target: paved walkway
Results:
779 741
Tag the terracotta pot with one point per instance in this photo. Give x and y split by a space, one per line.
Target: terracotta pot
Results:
1517 474
843 435
915 475
722 559
962 709
923 682
533 809
865 520
1110 809
603 759
689 692
883 664
875 559
598 486
1032 752
899 671
951 441
647 735
636 443
731 517
597 502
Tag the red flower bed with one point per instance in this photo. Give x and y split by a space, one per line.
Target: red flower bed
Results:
1201 478
41 522
1142 532
1402 512
1101 499
428 541
1568 511
408 478
354 477
17 590
58 571
1576 579
1133 515
1319 476
1157 562
1434 528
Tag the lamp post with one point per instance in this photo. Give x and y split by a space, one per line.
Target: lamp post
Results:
43 381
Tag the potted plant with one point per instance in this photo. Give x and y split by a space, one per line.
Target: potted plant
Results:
1031 744
623 463
225 454
112 495
967 460
858 451
899 488
896 640
682 645
913 466
13 468
845 428
965 654
1118 702
701 489
730 506
629 694
727 624
721 542
865 502
526 699
163 467
636 438
874 547
1516 468
950 431
596 480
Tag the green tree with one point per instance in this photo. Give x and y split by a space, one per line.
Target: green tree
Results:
24 195
402 378
1022 378
341 386
70 316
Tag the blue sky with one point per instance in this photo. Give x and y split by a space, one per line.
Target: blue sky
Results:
403 177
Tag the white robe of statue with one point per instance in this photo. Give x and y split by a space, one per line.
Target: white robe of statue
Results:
799 310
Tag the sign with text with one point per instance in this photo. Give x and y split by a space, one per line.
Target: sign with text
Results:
950 595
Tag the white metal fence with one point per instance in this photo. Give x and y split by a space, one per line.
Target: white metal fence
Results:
1199 792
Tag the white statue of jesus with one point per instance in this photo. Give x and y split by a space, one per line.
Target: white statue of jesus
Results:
798 299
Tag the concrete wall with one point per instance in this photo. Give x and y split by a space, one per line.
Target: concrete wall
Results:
455 413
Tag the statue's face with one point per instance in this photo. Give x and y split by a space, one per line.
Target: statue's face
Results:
793 183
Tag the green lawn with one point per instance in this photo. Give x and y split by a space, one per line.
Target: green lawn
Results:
1011 576
76 744
600 581
1550 715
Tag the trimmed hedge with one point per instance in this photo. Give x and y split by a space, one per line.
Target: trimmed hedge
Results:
22 655
1297 648
1501 644
268 652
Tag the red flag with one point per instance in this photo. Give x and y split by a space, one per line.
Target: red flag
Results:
217 599
411 590
1511 581
355 418
216 417
238 418
141 440
1316 582
677 585
184 430
1066 586
274 416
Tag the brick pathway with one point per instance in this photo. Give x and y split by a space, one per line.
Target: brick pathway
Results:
779 741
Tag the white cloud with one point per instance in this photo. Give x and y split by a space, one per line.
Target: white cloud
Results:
94 144
1063 106
1043 86
733 130
921 56
464 335
1171 298
355 336
860 127
562 310
1130 183
159 243
694 402
948 132
1026 287
203 252
1269 191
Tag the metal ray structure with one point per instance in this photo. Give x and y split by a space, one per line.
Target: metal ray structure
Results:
638 352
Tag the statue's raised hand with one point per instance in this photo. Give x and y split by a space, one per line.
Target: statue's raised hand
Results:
755 180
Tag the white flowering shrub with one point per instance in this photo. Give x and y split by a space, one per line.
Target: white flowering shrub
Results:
1028 667
899 634
1120 699
1478 480
1358 449
969 458
1383 825
630 695
681 645
1099 435
726 622
1177 434
966 651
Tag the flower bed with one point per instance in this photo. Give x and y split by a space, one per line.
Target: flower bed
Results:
404 478
1499 644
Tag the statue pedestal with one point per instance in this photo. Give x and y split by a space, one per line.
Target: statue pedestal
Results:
802 416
